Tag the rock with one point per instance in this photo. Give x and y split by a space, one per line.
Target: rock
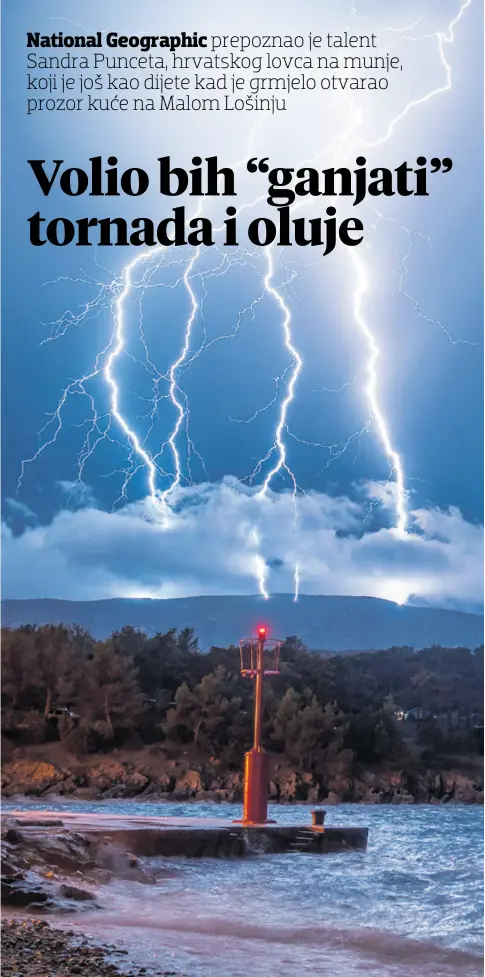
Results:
459 788
86 794
339 785
54 789
332 798
75 893
29 777
30 947
313 795
40 823
104 774
165 782
232 781
205 795
287 783
20 891
402 797
465 794
224 795
373 796
179 794
121 790
68 786
13 836
358 790
191 782
291 786
153 791
449 785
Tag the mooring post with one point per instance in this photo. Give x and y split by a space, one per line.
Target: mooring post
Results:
318 818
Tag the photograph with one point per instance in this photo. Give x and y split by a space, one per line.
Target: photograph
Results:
242 459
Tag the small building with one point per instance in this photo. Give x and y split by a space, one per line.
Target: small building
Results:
418 714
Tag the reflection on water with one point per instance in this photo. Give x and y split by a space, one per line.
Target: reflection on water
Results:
411 905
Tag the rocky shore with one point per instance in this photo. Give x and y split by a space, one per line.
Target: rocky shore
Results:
32 948
153 775
52 868
48 869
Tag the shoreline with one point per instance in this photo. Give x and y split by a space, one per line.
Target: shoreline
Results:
52 798
153 775
100 890
33 947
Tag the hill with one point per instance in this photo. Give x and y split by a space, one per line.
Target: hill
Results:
322 623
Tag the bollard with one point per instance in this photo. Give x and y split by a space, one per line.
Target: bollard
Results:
318 817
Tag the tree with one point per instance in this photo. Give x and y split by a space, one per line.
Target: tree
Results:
112 689
293 646
181 721
302 726
17 663
202 711
161 682
372 735
187 641
312 728
54 666
286 723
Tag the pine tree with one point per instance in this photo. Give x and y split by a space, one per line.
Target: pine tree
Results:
112 687
17 663
54 666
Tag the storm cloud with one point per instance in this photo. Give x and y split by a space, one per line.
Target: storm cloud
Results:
224 540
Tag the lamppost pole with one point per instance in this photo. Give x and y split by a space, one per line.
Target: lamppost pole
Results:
256 761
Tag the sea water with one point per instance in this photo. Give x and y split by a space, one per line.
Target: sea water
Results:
411 905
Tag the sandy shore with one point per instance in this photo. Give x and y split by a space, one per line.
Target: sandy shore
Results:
33 948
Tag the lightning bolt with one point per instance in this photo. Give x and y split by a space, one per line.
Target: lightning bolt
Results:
260 565
279 446
403 275
296 583
173 373
361 289
443 37
115 295
362 282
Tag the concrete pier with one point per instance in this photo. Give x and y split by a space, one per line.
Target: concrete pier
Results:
196 837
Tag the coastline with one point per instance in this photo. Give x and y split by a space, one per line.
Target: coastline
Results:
166 912
153 774
33 947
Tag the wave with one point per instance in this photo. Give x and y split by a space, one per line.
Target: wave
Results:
382 947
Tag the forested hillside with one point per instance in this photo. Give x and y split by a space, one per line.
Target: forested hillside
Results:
59 683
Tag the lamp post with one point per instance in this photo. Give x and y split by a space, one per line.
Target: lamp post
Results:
256 761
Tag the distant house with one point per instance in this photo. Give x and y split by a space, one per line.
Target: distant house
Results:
418 714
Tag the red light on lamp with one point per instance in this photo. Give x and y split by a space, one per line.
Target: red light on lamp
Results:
262 632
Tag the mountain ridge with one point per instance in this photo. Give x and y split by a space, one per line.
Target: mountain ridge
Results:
336 623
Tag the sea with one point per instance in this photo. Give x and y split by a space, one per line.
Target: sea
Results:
412 904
